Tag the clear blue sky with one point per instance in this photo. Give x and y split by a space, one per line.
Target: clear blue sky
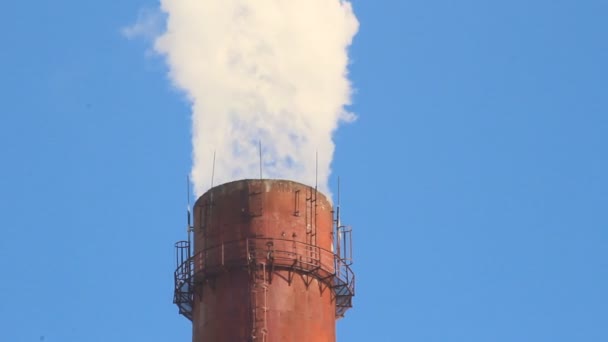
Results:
476 178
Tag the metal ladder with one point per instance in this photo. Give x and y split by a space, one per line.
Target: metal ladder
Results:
259 298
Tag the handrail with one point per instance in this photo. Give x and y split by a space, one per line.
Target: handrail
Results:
321 263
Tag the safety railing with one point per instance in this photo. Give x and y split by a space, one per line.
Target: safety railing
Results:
280 254
183 295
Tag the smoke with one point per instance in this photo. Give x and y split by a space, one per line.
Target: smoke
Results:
273 71
149 25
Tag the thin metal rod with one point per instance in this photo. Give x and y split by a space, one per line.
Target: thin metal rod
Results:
188 203
260 149
339 232
338 207
316 170
189 214
213 169
316 193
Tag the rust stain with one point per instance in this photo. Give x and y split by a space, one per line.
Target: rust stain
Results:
264 268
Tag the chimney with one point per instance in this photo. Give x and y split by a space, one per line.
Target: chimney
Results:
270 262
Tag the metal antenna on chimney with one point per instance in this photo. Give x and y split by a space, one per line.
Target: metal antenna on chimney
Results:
190 228
260 149
316 170
338 242
338 206
213 169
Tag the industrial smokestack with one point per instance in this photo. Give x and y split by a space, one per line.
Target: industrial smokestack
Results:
269 70
270 260
270 263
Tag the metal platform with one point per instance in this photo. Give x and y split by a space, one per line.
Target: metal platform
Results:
276 254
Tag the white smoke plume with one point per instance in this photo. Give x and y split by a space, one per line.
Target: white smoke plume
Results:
273 71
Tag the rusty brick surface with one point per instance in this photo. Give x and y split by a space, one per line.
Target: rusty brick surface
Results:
297 306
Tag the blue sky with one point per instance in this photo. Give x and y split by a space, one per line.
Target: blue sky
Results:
475 177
